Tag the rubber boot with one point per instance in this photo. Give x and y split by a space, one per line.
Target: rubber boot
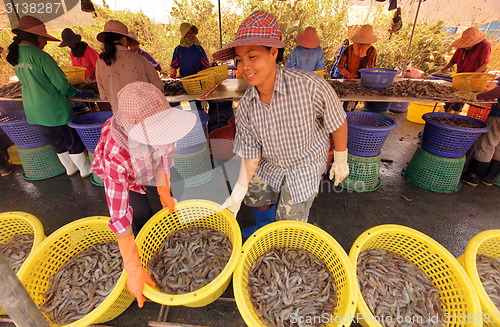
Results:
476 170
80 160
262 218
5 167
491 173
66 161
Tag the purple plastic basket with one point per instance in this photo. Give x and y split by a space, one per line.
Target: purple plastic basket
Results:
377 106
399 106
450 141
367 132
24 135
88 127
377 78
196 139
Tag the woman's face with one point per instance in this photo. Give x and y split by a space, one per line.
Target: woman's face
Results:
189 34
257 64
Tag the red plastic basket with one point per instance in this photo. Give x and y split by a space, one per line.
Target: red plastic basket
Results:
221 142
479 111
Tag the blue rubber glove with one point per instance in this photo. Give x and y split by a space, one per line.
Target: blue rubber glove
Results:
85 94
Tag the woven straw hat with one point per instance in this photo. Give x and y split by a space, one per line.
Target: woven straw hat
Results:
308 38
147 118
115 26
260 28
469 38
69 38
185 27
134 37
35 26
364 35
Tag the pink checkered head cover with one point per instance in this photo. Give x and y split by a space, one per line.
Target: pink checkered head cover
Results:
260 28
146 117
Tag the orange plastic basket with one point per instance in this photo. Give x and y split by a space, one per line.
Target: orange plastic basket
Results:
479 111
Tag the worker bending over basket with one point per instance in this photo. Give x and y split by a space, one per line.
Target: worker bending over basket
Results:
283 124
136 149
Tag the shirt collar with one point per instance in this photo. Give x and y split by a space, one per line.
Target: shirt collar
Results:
279 84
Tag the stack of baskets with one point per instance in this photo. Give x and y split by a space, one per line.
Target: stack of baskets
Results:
438 163
192 155
367 134
38 158
88 127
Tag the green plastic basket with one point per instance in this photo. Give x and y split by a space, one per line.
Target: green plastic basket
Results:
195 168
434 173
40 162
363 173
497 180
94 179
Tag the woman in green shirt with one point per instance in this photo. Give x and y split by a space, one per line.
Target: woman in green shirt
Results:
46 93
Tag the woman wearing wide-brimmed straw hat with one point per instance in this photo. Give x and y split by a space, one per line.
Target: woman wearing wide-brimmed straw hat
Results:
360 54
308 55
189 56
81 54
472 56
283 124
46 93
135 149
118 66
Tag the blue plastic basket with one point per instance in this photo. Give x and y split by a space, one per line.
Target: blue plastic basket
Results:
377 78
440 77
450 141
377 106
196 139
367 132
399 106
10 106
88 127
24 135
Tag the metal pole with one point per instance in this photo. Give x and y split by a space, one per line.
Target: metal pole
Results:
15 11
220 25
16 301
411 37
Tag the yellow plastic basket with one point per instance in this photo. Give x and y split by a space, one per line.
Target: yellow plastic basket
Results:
485 243
219 72
198 83
473 82
417 109
321 73
299 235
17 223
460 302
57 249
191 213
13 155
74 74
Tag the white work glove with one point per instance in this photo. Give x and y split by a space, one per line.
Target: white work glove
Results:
340 168
467 95
233 202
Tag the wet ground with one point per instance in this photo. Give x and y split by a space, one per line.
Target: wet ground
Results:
451 219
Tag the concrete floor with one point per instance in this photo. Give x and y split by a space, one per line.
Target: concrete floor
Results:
451 219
